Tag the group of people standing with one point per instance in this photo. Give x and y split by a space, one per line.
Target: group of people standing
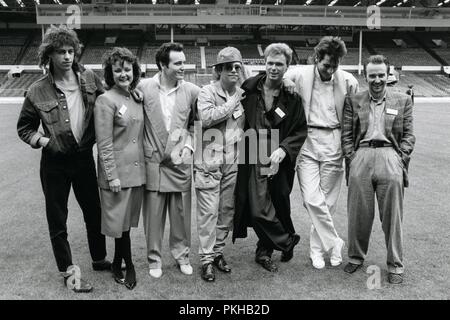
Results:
241 139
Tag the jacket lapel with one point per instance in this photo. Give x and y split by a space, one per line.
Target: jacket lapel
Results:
307 87
363 113
176 127
339 91
152 108
392 104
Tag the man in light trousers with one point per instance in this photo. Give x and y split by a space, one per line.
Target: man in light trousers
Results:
323 87
220 111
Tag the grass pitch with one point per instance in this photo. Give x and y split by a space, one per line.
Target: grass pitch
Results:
29 269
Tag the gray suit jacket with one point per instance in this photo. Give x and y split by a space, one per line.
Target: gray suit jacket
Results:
119 130
398 127
160 145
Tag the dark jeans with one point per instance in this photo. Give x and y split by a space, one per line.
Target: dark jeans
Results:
58 173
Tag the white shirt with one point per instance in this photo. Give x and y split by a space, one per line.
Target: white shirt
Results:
167 100
322 111
376 127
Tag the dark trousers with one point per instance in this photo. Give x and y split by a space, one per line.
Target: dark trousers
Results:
270 210
58 174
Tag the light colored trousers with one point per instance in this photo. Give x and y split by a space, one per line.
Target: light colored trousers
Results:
320 174
376 171
155 206
215 209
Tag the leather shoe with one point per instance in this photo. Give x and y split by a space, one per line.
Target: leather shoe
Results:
130 278
221 264
267 264
287 255
395 278
118 274
103 265
208 272
351 267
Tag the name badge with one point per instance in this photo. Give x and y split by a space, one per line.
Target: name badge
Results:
391 111
280 113
122 110
237 114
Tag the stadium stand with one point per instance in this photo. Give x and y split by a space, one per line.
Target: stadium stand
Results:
211 54
16 87
148 55
93 55
407 57
352 56
192 55
9 54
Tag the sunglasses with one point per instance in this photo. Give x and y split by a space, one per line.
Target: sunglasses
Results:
231 66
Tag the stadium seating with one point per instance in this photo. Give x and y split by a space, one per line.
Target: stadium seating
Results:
16 87
148 56
8 54
93 55
352 56
408 57
444 53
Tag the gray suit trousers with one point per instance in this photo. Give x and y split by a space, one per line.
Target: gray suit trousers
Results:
376 171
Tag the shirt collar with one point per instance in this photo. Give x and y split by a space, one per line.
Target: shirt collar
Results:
260 86
316 71
157 78
383 98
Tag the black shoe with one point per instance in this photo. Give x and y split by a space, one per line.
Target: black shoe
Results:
103 265
221 264
395 278
287 255
351 267
267 264
118 274
130 278
208 272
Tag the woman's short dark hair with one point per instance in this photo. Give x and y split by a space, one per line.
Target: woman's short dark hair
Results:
120 54
163 53
56 37
333 46
377 59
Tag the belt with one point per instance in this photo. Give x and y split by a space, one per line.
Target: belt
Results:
375 144
323 128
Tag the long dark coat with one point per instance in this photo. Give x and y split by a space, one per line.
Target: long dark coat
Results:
293 131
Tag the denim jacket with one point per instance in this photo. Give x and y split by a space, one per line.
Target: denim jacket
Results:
45 103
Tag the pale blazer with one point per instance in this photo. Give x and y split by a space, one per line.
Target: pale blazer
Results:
303 77
161 145
119 130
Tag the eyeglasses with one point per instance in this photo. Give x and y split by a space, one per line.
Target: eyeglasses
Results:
231 66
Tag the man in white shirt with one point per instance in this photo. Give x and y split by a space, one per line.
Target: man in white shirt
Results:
323 87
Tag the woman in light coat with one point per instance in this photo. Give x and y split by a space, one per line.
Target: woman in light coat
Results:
119 127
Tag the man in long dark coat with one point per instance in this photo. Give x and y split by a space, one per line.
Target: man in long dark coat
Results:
276 119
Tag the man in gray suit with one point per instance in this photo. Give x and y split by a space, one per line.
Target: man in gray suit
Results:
168 146
377 141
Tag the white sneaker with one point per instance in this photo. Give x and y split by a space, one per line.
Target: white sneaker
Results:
317 261
186 269
336 253
155 273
